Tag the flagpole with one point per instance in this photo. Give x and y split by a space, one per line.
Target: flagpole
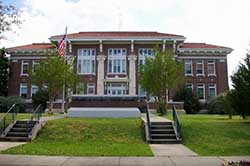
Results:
65 52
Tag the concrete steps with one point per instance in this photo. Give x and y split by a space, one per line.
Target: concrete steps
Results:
19 132
163 133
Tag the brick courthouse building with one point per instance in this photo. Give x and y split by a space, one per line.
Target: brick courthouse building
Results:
107 62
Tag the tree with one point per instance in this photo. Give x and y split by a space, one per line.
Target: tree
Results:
191 101
4 74
9 16
41 97
52 74
159 75
241 84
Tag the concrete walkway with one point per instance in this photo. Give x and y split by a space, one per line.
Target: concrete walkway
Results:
7 145
21 160
168 150
154 118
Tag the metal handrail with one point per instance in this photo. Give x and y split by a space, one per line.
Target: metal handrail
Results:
176 122
3 119
37 112
148 120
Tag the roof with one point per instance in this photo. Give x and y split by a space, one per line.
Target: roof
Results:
118 34
200 45
32 47
203 47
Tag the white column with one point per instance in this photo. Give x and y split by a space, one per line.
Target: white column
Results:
164 45
132 74
100 74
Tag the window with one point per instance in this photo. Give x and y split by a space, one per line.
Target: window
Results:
211 68
90 88
116 60
35 66
212 90
34 89
188 68
25 68
86 61
80 88
189 87
117 89
143 53
201 91
23 90
199 67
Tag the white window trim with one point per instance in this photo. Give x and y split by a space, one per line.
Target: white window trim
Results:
215 87
117 57
33 64
90 58
90 86
192 86
191 62
20 89
32 88
214 67
24 74
203 73
143 57
204 95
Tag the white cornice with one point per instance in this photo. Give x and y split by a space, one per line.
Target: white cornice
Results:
212 50
56 39
27 57
201 57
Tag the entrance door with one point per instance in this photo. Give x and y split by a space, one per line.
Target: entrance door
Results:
117 89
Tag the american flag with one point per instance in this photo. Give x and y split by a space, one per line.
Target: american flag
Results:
62 45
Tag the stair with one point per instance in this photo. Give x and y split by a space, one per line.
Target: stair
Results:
20 131
163 133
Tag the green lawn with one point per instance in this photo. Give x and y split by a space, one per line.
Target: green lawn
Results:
88 137
212 135
26 115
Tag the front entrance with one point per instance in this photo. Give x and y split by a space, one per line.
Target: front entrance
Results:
116 89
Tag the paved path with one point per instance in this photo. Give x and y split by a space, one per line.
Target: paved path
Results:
154 118
168 150
47 118
7 145
21 160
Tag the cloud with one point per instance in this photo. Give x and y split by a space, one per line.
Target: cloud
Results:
223 22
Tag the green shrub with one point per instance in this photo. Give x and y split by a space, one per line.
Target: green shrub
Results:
221 104
7 102
191 101
41 97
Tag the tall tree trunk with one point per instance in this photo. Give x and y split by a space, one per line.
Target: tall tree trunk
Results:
50 106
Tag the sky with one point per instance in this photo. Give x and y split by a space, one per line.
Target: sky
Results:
219 22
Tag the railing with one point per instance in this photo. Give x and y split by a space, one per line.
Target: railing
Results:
176 122
148 121
8 118
35 117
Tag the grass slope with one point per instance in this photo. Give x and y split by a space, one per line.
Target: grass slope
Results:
26 115
87 137
212 135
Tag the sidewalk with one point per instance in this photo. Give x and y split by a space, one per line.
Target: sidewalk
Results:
21 160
